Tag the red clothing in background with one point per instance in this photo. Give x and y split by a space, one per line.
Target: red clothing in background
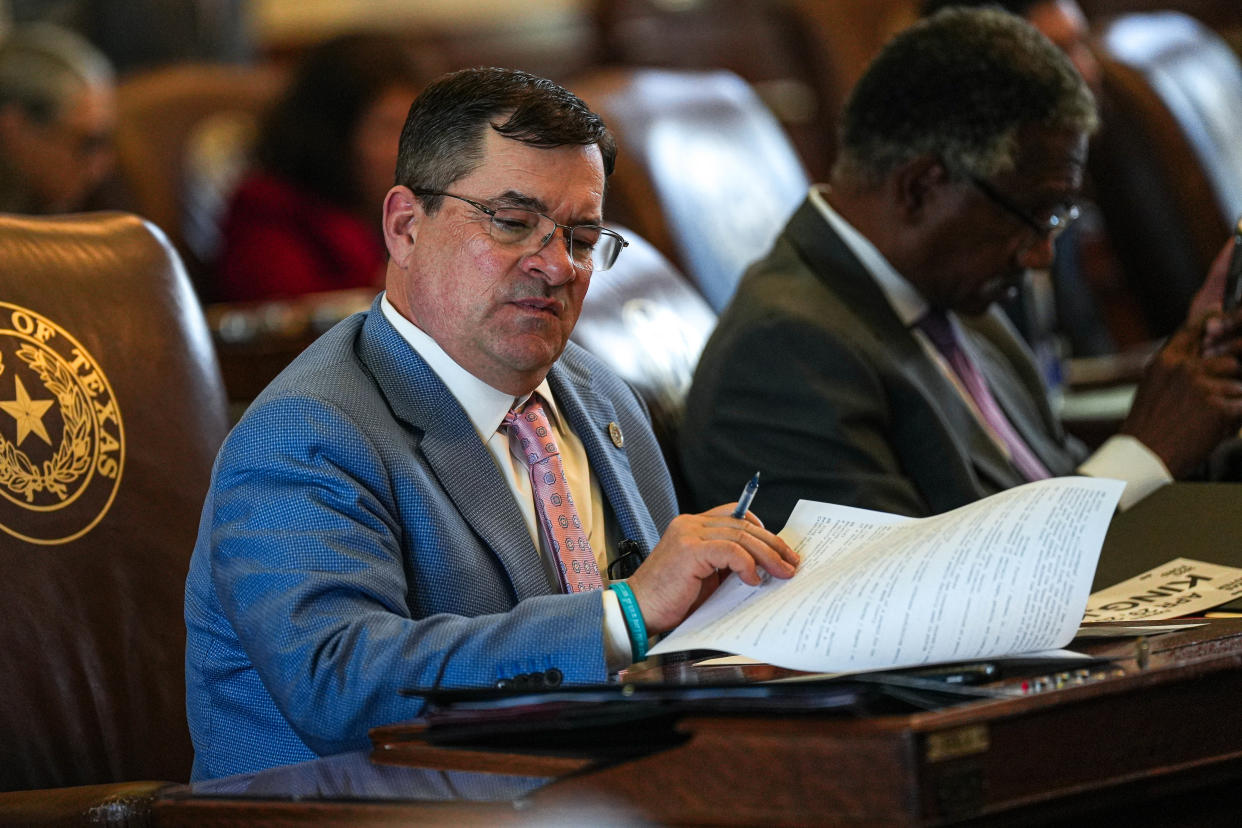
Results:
279 241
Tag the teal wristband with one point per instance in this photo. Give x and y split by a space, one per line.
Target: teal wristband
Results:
633 619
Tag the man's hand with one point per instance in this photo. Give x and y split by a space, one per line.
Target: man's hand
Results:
1211 294
1191 395
682 570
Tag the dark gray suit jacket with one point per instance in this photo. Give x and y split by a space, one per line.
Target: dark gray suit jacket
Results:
811 378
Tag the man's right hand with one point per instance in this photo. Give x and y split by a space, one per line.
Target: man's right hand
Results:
695 554
1191 395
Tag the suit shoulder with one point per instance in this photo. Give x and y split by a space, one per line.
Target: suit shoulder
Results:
327 373
585 369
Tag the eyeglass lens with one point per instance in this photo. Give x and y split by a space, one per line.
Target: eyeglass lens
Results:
589 245
1048 224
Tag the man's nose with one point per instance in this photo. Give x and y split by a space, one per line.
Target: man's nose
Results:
552 262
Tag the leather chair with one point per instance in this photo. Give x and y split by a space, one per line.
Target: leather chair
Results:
111 411
183 139
766 42
649 324
704 172
846 35
1167 166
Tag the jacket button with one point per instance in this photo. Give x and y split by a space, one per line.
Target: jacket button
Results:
553 677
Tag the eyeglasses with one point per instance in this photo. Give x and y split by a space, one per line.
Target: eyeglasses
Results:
590 246
1048 225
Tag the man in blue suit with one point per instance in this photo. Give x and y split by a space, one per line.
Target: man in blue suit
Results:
369 529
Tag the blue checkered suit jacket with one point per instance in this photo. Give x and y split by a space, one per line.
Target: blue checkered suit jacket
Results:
358 539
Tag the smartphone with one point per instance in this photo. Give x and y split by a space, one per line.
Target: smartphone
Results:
1233 282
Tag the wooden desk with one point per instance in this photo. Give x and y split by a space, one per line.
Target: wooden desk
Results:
1159 744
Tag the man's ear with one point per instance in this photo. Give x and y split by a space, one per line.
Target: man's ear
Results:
403 215
916 185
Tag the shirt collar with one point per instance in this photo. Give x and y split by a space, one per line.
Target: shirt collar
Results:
902 296
484 405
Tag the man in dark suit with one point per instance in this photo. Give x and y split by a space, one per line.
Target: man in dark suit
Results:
373 522
863 361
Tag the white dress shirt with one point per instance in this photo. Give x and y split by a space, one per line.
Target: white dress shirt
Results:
486 408
1121 457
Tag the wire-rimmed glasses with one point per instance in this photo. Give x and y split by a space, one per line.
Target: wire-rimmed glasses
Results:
1047 225
591 247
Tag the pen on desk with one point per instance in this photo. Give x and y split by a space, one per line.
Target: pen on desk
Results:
748 494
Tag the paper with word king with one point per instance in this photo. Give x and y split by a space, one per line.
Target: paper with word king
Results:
1004 575
1180 587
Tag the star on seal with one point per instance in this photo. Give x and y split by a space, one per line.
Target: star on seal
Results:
28 413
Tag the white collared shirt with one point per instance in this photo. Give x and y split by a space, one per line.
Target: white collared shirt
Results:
486 408
1121 457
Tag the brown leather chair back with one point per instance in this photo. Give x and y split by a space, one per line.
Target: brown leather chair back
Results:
649 324
767 42
1167 166
183 139
846 35
704 172
111 411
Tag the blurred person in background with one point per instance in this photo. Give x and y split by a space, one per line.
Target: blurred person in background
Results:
142 34
305 219
57 116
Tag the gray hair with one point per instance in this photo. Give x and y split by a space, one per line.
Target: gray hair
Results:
42 66
959 85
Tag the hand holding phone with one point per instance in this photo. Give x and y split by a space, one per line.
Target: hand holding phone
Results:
1233 278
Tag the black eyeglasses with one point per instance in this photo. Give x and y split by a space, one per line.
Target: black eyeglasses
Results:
1047 226
590 246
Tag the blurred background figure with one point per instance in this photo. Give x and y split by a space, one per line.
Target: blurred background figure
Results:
306 218
57 116
140 34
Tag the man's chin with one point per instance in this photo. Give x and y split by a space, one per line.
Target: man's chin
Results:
533 353
980 302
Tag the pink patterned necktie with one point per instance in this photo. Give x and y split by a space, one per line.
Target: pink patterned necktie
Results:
936 325
558 518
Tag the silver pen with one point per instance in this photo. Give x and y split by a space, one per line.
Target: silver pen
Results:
748 494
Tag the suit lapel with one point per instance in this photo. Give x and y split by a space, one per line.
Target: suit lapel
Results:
833 263
463 465
999 353
589 415
975 443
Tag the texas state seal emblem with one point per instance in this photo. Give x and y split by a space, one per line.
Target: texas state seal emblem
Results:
62 444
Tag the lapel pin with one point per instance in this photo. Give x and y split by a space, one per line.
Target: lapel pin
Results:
614 431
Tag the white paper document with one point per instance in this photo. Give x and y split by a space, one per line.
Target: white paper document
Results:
1007 574
1180 587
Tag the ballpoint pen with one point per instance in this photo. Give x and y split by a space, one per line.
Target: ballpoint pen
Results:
748 494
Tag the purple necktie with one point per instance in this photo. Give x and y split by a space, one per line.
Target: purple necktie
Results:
558 518
936 325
